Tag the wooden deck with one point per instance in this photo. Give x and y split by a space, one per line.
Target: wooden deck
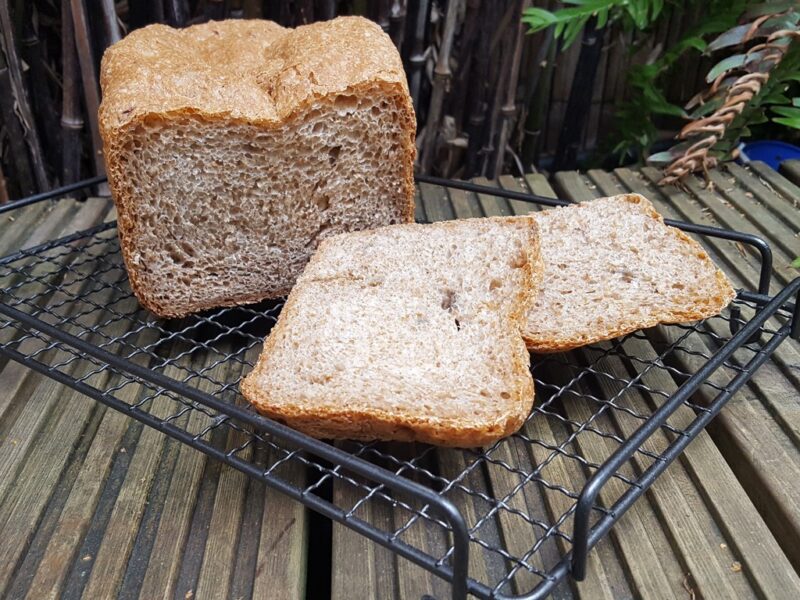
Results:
94 505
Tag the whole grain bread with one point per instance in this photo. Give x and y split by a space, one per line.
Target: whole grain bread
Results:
407 332
234 147
613 266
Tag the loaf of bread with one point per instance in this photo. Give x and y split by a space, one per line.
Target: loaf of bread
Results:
407 332
234 147
613 266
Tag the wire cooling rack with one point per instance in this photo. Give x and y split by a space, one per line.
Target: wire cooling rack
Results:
509 520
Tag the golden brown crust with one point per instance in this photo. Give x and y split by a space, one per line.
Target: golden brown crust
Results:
254 71
701 310
234 72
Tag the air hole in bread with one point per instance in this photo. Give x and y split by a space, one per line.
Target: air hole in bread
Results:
187 248
518 260
345 103
505 395
495 284
678 286
322 201
333 154
458 324
448 300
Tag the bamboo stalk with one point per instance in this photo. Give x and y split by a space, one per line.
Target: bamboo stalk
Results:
477 99
535 98
9 122
504 49
43 104
110 23
509 109
441 78
304 12
580 98
462 85
91 92
176 12
285 15
20 106
71 119
251 9
138 14
3 189
397 22
416 59
378 11
324 10
214 10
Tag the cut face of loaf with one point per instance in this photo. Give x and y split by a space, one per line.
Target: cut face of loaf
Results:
234 148
611 267
409 332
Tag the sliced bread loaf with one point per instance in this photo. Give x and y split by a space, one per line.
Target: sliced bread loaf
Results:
234 147
611 267
408 332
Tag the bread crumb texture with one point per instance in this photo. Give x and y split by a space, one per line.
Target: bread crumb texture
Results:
233 148
408 332
613 266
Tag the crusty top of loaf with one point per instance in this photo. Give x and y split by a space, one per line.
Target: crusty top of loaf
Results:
251 70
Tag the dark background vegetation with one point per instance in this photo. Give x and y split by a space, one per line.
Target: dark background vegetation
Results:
489 97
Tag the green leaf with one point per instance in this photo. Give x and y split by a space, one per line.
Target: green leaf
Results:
736 35
707 108
795 101
695 42
795 264
771 7
776 97
538 18
787 111
602 18
726 64
732 37
793 123
758 117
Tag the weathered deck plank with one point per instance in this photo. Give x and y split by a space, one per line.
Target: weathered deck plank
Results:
790 169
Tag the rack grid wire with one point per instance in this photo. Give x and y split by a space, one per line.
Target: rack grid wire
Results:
509 520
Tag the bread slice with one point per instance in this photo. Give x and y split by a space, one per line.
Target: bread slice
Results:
408 332
234 147
611 267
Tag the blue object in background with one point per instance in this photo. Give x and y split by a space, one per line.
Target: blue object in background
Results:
772 153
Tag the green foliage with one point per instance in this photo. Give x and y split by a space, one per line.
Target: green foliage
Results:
635 131
796 263
720 28
568 23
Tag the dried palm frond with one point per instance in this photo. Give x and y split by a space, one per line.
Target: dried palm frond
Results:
735 81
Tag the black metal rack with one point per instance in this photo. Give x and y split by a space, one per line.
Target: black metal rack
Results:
66 310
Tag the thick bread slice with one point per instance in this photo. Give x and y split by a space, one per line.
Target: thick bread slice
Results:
611 267
408 332
234 147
